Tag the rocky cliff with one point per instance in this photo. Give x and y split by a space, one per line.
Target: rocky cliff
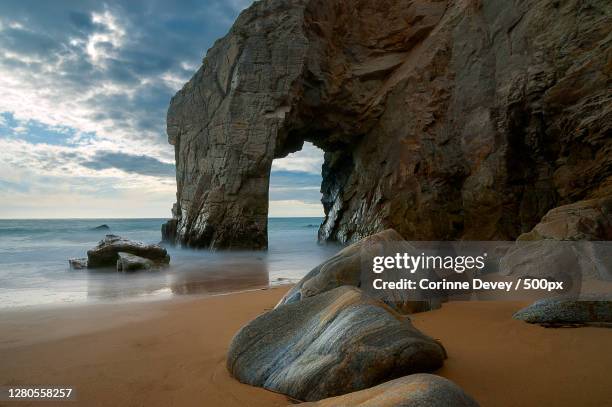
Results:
441 119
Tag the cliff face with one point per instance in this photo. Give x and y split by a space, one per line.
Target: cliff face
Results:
440 119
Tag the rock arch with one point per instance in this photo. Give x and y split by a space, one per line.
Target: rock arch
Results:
441 119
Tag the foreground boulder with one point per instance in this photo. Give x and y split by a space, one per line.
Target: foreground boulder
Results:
417 390
352 266
335 343
106 253
129 262
558 311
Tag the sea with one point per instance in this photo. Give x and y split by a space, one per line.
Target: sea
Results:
34 267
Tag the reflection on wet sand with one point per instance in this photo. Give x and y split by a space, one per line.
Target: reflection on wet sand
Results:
220 277
207 275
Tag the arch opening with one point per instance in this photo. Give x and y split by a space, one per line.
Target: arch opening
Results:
295 184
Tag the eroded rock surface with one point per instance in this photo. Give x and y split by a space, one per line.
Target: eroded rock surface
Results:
559 311
440 119
78 263
106 253
583 220
353 266
334 343
417 390
129 262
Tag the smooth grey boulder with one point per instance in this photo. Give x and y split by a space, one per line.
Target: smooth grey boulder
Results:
335 343
106 253
129 262
559 311
352 266
417 390
78 263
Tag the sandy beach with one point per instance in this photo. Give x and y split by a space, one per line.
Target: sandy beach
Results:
172 353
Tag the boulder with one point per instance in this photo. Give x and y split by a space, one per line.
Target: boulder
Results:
101 227
106 253
78 263
583 220
338 342
129 262
561 311
352 266
572 262
417 390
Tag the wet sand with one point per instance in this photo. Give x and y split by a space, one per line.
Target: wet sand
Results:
172 353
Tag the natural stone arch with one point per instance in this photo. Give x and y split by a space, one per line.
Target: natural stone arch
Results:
441 119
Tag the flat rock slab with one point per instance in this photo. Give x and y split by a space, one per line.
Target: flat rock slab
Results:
555 311
351 266
106 253
335 343
129 262
417 390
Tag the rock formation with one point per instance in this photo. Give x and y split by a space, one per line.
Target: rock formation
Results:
417 390
334 343
560 311
441 119
106 253
583 220
353 266
127 262
78 263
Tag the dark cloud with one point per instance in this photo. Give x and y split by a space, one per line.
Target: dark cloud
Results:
137 164
27 43
159 39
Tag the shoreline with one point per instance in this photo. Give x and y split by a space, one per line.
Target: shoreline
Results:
161 353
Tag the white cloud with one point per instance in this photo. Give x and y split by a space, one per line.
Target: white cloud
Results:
94 79
113 33
69 203
308 159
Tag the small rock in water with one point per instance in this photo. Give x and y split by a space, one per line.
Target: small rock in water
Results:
129 262
78 263
102 227
417 390
106 253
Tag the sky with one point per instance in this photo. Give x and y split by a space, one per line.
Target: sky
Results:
84 88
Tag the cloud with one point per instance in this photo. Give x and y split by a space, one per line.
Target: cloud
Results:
309 159
107 69
136 164
85 88
297 177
